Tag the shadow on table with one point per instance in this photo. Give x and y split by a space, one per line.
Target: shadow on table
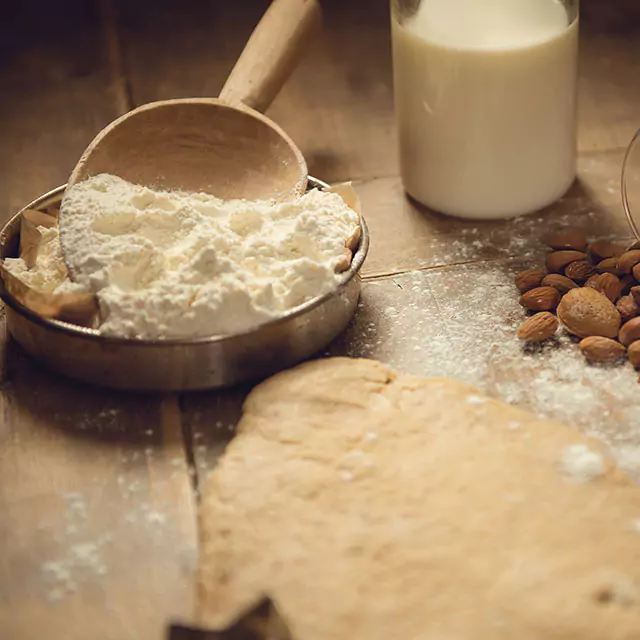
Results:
580 207
79 409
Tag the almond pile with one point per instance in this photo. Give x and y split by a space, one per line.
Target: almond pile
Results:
593 290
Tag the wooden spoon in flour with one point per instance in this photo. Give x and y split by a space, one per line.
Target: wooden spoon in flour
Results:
223 146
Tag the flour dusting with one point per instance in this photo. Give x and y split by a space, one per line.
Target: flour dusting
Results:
461 322
580 464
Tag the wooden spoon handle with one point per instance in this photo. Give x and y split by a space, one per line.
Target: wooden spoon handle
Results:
271 53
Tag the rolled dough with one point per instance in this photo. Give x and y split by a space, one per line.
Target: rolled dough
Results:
375 506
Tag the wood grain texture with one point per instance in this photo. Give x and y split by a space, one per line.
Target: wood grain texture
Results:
98 528
94 485
98 523
58 92
338 106
609 67
271 53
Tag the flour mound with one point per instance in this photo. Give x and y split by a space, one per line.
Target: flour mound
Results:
172 264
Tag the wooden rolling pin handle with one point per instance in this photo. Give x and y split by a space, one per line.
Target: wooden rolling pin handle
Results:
271 53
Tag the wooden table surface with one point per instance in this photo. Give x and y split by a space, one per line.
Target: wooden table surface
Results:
99 489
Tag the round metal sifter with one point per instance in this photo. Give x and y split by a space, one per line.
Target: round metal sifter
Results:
201 363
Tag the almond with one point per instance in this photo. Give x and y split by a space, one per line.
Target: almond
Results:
540 299
636 272
599 349
538 327
610 286
591 282
580 270
601 249
634 292
559 282
558 260
586 312
634 353
627 308
609 265
528 279
570 238
630 331
606 283
628 260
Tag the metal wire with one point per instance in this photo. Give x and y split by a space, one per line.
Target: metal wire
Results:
623 184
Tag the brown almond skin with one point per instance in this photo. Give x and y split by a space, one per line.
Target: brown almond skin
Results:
628 260
630 331
634 353
570 238
609 265
599 349
540 299
601 249
558 260
529 279
591 282
636 272
634 292
538 327
627 308
559 282
608 284
586 312
579 271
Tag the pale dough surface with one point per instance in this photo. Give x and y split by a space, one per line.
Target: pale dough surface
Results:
375 506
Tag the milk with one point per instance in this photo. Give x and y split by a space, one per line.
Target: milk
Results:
485 101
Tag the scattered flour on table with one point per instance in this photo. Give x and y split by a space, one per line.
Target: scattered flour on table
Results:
79 555
81 560
461 322
581 464
628 459
173 264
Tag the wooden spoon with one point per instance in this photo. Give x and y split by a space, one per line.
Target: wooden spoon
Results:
221 146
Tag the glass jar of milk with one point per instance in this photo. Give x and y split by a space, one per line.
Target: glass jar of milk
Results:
485 94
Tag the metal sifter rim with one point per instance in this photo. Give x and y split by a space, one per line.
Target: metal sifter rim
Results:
92 334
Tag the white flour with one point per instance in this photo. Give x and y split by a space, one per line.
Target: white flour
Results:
581 464
170 264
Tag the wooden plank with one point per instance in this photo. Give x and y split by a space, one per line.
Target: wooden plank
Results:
609 68
407 236
57 94
338 106
98 527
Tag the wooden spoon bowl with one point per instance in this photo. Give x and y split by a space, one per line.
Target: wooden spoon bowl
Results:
225 146
198 144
